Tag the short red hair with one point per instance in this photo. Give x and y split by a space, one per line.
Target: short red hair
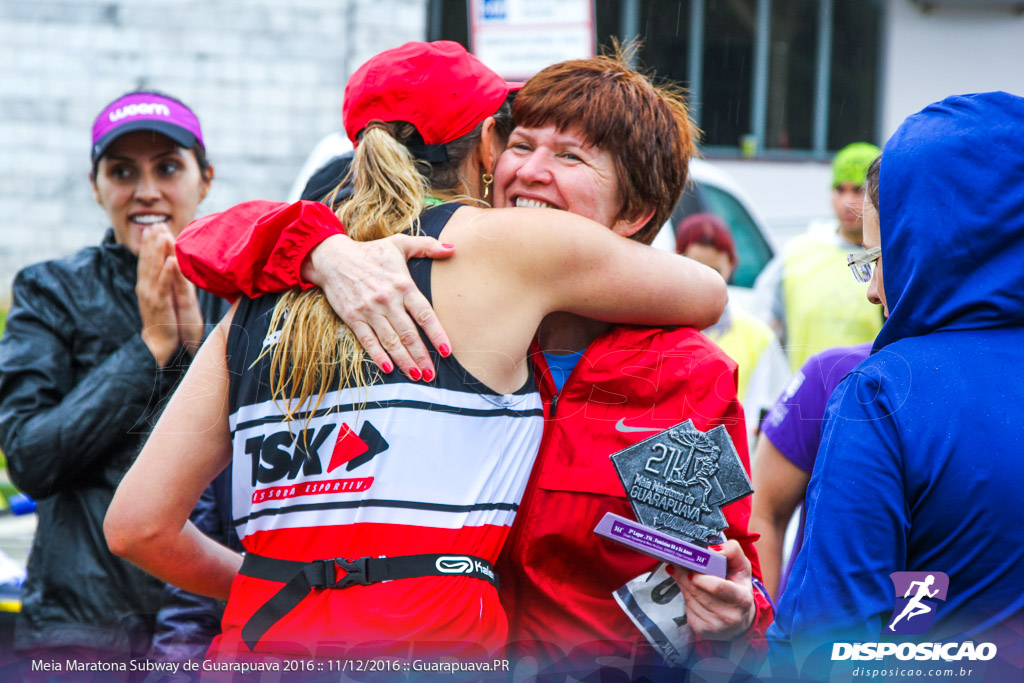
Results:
709 230
646 128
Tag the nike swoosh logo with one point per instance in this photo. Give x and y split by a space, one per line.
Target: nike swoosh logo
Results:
621 426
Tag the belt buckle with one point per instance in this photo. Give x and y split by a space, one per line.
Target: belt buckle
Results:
355 572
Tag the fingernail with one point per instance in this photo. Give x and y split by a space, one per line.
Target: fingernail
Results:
387 367
415 374
445 350
689 575
670 570
715 547
448 246
428 375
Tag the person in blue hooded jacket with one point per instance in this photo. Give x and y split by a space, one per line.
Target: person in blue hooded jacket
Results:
920 467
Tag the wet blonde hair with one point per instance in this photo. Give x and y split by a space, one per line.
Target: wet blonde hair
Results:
315 349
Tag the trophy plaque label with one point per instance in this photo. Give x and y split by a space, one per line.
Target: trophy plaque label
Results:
677 482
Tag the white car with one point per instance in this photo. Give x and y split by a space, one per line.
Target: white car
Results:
710 189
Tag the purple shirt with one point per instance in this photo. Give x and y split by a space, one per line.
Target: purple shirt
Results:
793 425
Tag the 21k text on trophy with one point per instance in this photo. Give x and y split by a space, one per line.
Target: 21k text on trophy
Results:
677 482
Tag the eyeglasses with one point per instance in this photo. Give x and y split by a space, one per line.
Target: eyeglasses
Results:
860 264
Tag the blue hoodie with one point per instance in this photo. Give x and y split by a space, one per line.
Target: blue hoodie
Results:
921 466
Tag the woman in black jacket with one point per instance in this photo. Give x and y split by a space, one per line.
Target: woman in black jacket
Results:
94 344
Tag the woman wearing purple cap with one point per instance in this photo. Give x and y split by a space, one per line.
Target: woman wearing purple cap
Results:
94 344
372 506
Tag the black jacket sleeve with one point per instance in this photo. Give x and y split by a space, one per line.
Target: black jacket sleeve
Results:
58 419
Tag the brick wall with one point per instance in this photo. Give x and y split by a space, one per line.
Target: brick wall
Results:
265 77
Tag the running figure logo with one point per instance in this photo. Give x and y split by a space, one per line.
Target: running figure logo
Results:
915 611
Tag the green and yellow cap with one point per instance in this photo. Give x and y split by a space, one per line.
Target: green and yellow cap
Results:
851 163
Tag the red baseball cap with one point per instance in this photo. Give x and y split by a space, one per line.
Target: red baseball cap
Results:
438 87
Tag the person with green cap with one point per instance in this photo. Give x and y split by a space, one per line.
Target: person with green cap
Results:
807 293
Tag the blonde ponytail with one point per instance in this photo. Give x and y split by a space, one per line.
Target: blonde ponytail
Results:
388 188
315 348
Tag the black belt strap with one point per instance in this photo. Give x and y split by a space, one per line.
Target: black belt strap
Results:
299 577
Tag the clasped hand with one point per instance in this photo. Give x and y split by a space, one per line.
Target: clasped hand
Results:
168 303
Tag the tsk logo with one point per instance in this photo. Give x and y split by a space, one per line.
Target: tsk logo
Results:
272 460
915 612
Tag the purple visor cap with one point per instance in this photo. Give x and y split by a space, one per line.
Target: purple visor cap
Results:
145 111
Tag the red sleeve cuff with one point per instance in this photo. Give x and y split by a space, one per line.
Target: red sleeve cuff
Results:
314 223
763 618
255 247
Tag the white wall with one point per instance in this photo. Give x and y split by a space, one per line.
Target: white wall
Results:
946 51
265 77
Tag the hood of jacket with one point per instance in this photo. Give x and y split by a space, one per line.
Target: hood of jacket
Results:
951 206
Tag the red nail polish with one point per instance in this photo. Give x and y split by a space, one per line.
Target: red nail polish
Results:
715 547
448 246
689 575
415 374
387 367
428 375
445 350
670 570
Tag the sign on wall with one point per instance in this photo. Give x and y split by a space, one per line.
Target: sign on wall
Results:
518 38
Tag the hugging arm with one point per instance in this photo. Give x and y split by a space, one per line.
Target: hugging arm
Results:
262 247
573 264
148 520
187 623
253 248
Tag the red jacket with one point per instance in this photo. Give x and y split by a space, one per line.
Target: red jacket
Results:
557 576
253 248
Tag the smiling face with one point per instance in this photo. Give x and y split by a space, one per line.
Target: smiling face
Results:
145 178
545 167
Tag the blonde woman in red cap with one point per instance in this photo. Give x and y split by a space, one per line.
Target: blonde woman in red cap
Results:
399 492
